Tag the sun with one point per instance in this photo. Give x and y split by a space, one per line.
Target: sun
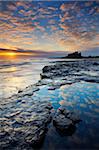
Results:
10 54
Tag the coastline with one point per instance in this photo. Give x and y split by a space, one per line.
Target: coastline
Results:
25 117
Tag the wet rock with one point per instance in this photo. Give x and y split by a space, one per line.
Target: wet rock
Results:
36 138
62 123
19 91
48 68
17 124
65 121
91 79
3 134
26 127
58 83
44 82
10 115
19 100
49 106
63 111
74 116
95 63
44 76
75 70
28 91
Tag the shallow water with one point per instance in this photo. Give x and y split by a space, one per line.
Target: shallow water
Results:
18 73
82 97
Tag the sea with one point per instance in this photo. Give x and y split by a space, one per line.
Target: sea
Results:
16 73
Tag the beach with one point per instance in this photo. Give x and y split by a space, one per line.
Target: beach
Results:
58 111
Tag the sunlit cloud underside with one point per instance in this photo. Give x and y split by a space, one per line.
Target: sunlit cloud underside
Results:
58 26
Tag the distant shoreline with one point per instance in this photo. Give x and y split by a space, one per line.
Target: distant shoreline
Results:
78 55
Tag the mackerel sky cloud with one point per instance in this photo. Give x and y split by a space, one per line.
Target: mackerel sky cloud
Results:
49 25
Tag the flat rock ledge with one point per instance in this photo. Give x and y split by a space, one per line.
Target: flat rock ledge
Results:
24 128
72 71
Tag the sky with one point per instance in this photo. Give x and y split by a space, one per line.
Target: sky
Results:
49 27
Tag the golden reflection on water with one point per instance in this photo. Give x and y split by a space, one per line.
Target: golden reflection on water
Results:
11 54
10 81
14 78
10 85
8 55
10 69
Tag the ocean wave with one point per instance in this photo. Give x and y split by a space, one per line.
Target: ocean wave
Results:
13 64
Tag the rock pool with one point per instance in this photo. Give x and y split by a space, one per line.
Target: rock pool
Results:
82 97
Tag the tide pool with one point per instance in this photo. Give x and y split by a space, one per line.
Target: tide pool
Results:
82 98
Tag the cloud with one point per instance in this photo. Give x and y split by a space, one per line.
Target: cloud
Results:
49 26
34 53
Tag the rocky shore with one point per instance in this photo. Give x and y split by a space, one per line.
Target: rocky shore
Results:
24 121
72 71
69 72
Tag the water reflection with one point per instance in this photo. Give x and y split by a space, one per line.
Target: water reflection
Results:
69 132
8 70
82 97
10 84
18 73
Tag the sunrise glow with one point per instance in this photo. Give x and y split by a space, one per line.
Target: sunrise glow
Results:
10 54
49 27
